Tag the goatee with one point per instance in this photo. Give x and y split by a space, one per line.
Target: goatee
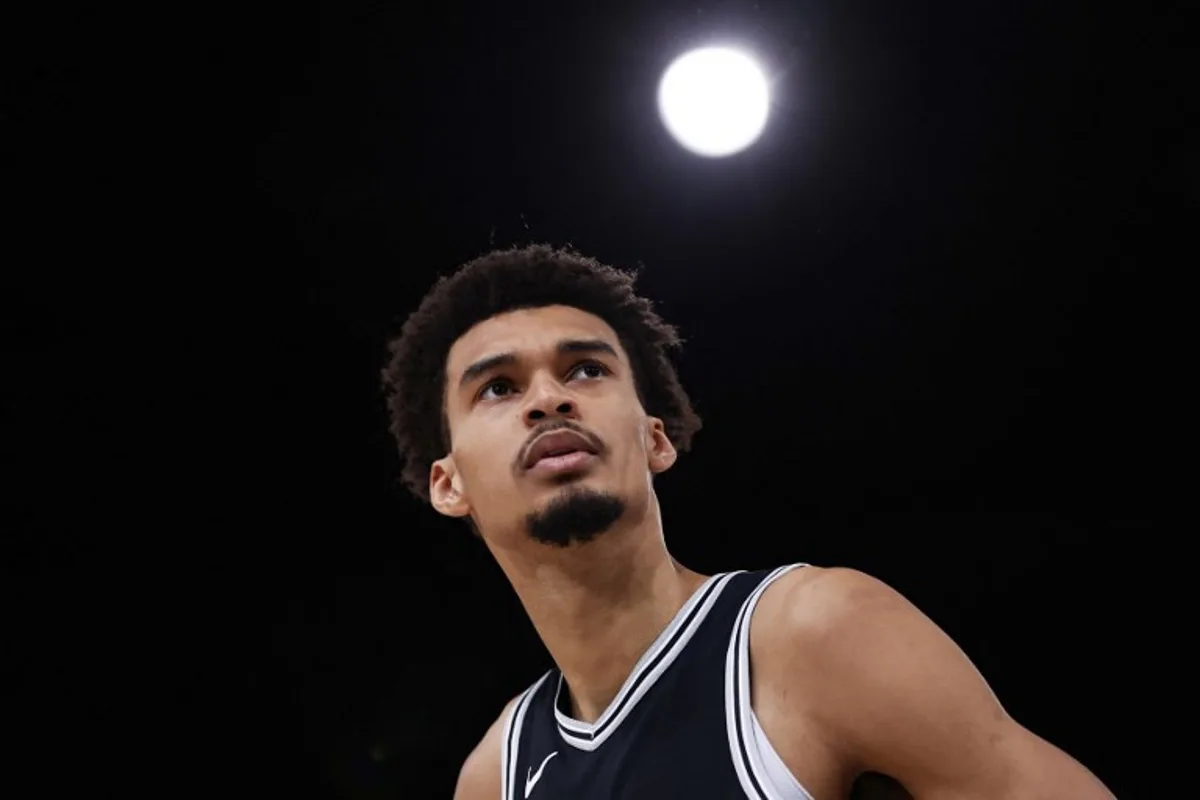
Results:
574 516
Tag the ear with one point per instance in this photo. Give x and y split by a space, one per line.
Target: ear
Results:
446 489
660 452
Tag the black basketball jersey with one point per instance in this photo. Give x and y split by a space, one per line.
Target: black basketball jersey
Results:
680 727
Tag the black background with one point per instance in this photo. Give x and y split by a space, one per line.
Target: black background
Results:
925 323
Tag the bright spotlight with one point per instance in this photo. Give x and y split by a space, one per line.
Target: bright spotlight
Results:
714 101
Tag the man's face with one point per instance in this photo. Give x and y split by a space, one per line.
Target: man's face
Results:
548 436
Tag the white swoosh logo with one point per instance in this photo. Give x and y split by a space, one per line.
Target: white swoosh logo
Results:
531 778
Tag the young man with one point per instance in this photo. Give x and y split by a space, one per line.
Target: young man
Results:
531 394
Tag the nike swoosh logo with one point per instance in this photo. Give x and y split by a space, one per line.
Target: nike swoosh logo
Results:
531 777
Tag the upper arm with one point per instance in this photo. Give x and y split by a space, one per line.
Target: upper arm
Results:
479 778
897 696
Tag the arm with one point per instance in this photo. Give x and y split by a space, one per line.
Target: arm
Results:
898 697
479 778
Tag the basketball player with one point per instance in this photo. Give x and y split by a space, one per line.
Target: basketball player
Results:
531 395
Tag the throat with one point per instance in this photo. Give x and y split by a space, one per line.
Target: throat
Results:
590 707
610 657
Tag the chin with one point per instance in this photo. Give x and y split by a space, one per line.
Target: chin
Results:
576 513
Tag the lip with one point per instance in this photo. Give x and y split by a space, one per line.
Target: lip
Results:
570 443
572 463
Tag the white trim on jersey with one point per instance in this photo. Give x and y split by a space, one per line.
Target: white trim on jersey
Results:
759 768
653 663
510 745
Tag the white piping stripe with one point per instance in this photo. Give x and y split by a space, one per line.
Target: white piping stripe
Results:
747 760
594 735
512 733
732 692
589 730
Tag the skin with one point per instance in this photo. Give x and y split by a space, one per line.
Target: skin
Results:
849 679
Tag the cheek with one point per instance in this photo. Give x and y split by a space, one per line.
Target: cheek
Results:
484 466
633 441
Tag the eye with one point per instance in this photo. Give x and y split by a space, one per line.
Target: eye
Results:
499 387
589 370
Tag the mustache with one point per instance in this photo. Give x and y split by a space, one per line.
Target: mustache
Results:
558 425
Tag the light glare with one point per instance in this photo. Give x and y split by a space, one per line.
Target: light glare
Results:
714 101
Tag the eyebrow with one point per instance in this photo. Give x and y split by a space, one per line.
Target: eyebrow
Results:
485 365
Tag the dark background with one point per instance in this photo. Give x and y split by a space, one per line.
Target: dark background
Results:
925 322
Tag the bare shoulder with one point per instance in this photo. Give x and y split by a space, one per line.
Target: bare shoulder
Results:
479 778
844 655
817 601
814 630
800 682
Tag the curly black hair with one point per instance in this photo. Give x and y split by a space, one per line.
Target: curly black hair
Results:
505 280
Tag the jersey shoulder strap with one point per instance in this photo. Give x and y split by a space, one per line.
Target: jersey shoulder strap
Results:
512 734
761 773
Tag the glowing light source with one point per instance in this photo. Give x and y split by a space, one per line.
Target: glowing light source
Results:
714 101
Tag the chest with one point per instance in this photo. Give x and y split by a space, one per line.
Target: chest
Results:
669 749
683 725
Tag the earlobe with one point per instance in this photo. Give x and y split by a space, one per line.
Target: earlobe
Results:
661 452
446 489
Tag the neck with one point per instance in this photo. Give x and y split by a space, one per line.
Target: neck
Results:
599 606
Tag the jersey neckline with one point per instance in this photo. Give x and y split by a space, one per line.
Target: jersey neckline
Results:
646 672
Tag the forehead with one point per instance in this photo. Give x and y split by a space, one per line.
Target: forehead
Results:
527 330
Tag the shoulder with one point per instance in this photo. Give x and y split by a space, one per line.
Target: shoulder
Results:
814 602
479 778
820 637
842 654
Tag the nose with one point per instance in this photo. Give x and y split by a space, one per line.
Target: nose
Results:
547 399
